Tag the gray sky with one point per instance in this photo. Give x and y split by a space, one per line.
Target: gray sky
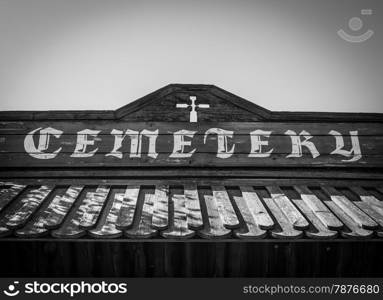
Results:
283 55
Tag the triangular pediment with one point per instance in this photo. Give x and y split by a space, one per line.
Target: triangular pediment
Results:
173 103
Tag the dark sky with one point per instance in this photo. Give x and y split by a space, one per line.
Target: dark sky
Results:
283 55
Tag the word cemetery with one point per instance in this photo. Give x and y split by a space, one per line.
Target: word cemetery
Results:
212 182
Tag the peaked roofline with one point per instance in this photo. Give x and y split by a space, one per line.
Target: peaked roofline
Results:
263 113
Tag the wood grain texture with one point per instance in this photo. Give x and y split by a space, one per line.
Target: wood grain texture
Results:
251 230
160 207
93 206
350 209
256 207
225 208
8 192
128 207
179 227
287 207
318 208
284 228
194 215
27 205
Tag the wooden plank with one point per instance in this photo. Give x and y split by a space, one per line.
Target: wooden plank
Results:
250 230
374 211
194 216
160 208
198 159
355 230
9 193
293 215
128 207
214 228
225 208
256 207
60 206
366 197
94 203
29 204
320 230
285 229
144 230
349 208
277 128
179 227
318 208
4 231
69 229
106 227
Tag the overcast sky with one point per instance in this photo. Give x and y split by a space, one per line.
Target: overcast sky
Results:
283 55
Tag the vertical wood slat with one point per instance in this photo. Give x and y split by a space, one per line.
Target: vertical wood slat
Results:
128 207
252 230
225 208
297 220
214 227
144 229
94 203
179 229
286 229
349 208
8 194
161 207
320 231
29 204
60 206
194 215
318 208
355 230
106 227
257 209
366 197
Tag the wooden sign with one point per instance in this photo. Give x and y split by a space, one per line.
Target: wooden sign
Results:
201 128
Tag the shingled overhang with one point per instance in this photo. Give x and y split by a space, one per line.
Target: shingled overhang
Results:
190 162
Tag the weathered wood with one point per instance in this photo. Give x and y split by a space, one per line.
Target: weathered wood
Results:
318 208
250 230
225 208
9 193
28 204
285 228
293 215
256 207
94 203
320 230
128 207
60 206
179 227
144 229
349 208
355 231
194 216
214 227
106 227
196 160
160 207
366 197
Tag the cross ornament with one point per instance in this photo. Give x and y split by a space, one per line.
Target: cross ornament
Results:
193 112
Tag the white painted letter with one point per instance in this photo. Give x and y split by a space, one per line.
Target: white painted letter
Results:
297 144
135 142
43 145
256 143
180 143
83 142
355 150
223 151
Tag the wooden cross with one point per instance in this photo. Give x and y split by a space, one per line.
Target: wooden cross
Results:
193 112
